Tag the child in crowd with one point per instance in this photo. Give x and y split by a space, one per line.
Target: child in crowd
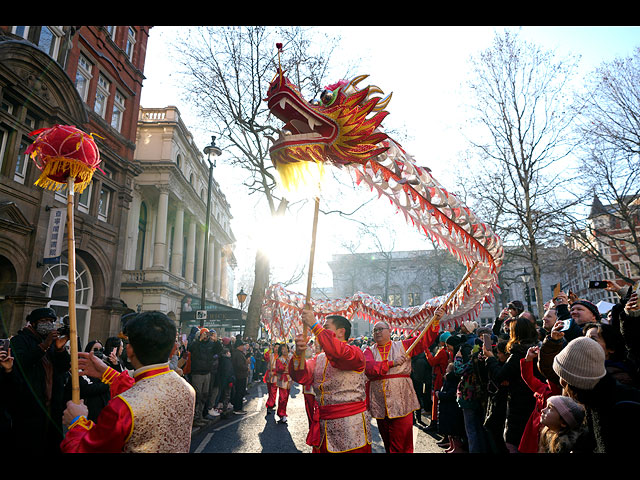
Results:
562 427
541 391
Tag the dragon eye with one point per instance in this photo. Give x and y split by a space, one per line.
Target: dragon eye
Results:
327 97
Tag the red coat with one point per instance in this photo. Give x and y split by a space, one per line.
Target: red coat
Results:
438 363
541 390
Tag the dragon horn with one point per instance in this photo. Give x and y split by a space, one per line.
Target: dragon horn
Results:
383 103
357 80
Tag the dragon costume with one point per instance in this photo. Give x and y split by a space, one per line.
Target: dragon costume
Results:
343 129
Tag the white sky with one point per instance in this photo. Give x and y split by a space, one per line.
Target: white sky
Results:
425 68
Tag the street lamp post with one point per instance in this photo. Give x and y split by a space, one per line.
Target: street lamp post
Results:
525 279
241 298
208 150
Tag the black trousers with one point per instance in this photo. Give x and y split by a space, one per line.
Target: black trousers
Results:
240 389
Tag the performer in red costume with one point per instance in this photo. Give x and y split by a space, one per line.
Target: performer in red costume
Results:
271 378
283 381
392 398
149 413
338 379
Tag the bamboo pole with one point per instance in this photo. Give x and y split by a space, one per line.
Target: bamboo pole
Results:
451 295
311 259
73 328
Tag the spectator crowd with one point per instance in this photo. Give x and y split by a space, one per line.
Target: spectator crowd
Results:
35 377
569 382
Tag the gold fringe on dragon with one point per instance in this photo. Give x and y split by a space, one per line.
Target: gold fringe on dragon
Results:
343 129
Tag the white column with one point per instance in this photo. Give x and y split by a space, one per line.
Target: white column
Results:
217 274
199 266
191 251
211 264
160 245
224 287
178 242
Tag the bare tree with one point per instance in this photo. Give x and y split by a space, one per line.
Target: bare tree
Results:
609 130
227 71
521 104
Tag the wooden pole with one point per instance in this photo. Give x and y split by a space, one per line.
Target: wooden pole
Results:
311 258
73 327
451 295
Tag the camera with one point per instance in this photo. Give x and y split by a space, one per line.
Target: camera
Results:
65 330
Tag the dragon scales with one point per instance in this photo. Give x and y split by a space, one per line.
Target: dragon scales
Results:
343 129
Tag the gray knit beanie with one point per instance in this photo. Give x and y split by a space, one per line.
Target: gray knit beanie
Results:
580 363
569 410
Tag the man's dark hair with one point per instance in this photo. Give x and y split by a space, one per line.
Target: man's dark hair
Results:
152 336
340 322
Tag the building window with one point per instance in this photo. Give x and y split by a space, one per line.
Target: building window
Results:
103 203
21 31
83 77
4 138
112 32
102 94
414 299
49 41
21 163
142 230
131 41
84 199
395 300
118 111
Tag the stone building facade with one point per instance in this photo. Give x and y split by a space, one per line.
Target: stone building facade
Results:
165 234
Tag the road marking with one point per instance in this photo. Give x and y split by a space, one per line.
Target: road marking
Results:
204 443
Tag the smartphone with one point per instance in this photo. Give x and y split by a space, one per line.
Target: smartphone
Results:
4 344
597 284
486 339
565 325
556 290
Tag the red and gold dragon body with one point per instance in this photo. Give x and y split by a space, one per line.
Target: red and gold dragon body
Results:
343 128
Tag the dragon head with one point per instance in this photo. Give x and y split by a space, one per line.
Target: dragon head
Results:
341 127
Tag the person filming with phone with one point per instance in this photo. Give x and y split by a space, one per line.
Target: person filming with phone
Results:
43 363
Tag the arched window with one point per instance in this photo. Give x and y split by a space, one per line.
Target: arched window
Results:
142 230
56 282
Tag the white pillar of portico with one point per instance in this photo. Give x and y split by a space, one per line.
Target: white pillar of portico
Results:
211 265
191 251
200 266
217 275
178 242
223 275
160 245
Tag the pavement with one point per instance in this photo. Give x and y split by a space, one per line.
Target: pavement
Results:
424 438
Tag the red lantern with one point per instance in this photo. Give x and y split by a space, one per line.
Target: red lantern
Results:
64 151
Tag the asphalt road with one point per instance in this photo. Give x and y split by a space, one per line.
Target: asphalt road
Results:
259 432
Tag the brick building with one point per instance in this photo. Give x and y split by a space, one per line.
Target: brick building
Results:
90 77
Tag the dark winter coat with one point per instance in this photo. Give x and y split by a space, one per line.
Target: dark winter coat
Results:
201 357
520 402
450 416
40 396
612 415
225 372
